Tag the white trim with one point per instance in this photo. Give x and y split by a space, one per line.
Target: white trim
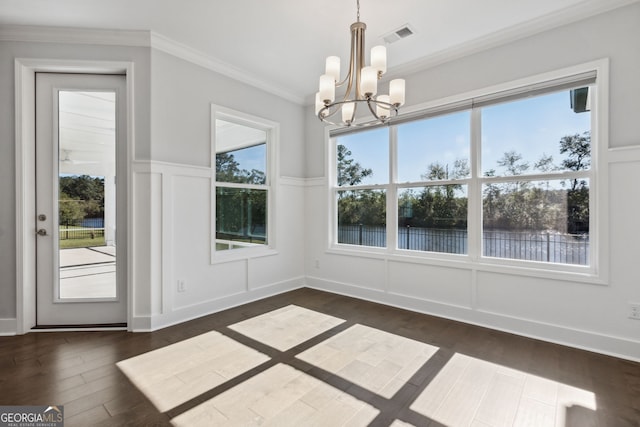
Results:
182 51
586 340
8 327
180 169
272 130
214 305
48 34
142 38
598 270
568 15
624 154
25 69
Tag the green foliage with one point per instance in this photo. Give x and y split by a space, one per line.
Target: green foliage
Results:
80 196
366 207
69 210
349 171
522 206
511 205
228 170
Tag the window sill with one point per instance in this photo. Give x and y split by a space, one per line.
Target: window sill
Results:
233 255
559 272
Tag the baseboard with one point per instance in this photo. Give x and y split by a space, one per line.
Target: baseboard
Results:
585 340
140 324
8 327
215 305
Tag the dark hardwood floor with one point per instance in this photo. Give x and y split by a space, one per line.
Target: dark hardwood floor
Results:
78 369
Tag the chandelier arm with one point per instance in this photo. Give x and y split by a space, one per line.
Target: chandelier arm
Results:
359 53
375 114
352 65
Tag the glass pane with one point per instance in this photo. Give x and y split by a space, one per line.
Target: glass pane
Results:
434 149
433 219
87 195
247 165
362 217
241 218
363 158
544 221
538 134
241 153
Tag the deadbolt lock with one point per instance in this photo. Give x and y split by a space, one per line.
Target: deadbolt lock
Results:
42 217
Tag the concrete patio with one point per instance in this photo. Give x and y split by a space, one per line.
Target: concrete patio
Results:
88 272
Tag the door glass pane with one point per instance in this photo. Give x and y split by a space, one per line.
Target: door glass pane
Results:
86 195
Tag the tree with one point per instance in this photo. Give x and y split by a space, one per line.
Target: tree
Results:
349 171
227 169
85 193
578 150
69 210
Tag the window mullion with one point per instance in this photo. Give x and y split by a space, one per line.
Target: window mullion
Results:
474 197
392 190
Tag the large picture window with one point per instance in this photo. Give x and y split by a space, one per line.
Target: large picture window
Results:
242 194
506 176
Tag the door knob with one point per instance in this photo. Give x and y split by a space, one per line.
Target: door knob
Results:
42 232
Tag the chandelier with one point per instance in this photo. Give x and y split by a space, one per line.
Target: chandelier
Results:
361 85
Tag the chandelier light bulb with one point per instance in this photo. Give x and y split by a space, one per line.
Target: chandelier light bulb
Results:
319 103
369 81
347 112
396 92
327 88
332 67
379 59
383 110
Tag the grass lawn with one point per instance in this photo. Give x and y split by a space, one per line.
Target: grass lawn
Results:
82 243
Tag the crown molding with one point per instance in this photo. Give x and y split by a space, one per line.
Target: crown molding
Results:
541 24
140 38
46 34
197 57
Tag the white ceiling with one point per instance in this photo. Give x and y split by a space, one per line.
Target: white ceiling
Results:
283 43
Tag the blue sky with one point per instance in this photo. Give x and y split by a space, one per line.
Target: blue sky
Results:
254 157
531 126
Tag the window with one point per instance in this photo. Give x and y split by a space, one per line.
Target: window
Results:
243 175
536 158
505 177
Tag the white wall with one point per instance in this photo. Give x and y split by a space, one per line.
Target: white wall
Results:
176 184
575 313
170 182
9 51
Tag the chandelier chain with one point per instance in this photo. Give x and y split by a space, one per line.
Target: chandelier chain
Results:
358 4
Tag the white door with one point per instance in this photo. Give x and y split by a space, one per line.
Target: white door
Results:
81 238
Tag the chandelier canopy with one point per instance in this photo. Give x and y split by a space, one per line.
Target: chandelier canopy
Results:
361 85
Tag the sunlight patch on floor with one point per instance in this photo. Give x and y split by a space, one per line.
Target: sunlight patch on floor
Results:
173 375
280 396
286 327
470 391
375 360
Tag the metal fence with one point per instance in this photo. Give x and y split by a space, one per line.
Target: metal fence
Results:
87 228
523 245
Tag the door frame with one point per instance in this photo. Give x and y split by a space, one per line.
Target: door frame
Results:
25 74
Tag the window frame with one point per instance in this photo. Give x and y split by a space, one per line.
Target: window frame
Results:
272 131
597 272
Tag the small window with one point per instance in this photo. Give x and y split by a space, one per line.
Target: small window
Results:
242 181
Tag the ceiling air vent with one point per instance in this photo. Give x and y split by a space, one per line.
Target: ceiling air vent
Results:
398 34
